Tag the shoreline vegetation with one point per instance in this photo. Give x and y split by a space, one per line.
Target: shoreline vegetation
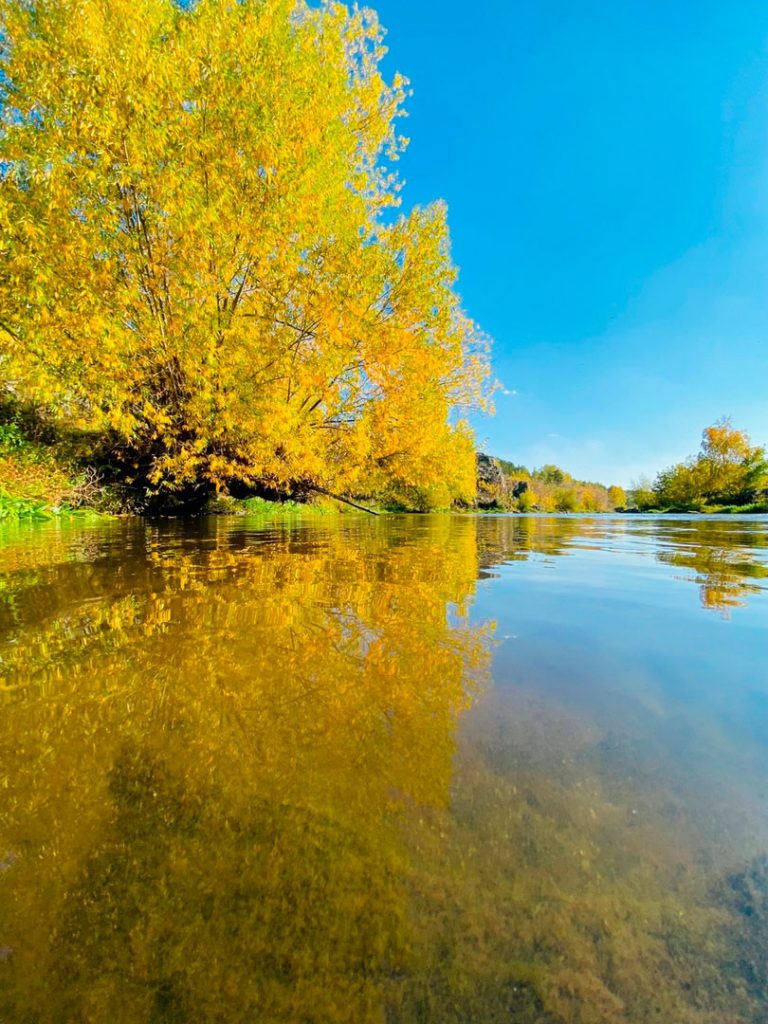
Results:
48 471
728 475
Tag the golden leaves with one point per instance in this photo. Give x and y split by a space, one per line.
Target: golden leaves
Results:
195 198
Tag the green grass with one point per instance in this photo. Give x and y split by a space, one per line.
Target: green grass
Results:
30 508
754 508
265 509
11 438
22 508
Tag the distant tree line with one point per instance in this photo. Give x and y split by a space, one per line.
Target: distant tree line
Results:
552 489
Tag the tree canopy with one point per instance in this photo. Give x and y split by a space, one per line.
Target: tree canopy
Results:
727 469
197 255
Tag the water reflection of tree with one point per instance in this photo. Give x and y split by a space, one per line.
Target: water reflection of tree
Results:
227 796
208 748
721 553
724 575
516 538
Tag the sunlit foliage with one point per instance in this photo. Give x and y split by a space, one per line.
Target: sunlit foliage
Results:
551 474
552 489
196 254
617 496
642 495
727 470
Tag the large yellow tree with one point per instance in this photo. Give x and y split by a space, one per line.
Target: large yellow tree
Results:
196 255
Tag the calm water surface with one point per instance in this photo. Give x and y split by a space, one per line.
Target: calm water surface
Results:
413 769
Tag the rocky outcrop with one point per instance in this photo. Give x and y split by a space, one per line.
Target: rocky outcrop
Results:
488 471
493 487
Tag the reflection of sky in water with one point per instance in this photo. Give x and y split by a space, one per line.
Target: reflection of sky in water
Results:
616 634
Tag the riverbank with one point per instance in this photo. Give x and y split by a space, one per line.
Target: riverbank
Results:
50 468
26 509
753 508
47 471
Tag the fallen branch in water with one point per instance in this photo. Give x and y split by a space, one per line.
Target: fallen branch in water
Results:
338 497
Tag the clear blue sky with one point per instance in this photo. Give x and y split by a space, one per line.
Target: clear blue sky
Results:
605 164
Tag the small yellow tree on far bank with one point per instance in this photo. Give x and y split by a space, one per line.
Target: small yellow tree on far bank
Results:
617 496
727 469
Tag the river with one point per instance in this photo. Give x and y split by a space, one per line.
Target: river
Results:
408 769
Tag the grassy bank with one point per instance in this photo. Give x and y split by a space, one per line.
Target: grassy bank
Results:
40 474
751 508
27 508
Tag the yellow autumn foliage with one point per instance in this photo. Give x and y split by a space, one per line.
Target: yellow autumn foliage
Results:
728 468
197 255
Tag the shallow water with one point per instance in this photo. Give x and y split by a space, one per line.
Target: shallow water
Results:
412 769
